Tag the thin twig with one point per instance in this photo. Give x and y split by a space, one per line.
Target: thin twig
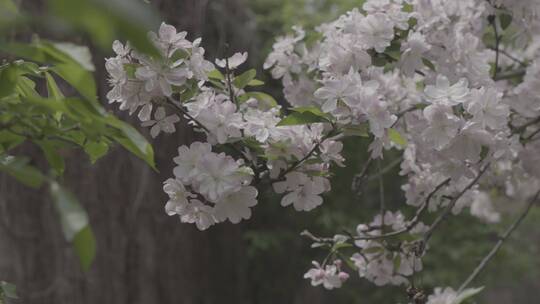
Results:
511 74
229 82
451 204
408 226
499 243
381 194
386 169
184 112
299 162
359 178
510 56
530 136
497 45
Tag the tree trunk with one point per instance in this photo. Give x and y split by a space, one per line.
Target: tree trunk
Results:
143 256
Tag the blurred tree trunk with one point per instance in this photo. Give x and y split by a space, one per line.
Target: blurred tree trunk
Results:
143 255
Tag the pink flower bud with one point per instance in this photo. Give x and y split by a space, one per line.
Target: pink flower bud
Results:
343 276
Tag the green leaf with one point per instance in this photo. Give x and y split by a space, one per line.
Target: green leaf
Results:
429 64
338 246
55 160
397 262
506 20
18 168
8 290
80 54
131 69
216 74
84 244
8 13
242 80
75 224
52 88
26 87
9 140
255 83
107 20
8 80
313 110
72 215
49 104
371 250
26 67
132 140
266 100
50 52
466 294
96 150
297 118
79 78
396 137
359 130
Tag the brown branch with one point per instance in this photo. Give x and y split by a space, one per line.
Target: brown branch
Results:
499 243
451 204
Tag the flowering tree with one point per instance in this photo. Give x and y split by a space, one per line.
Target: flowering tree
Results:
450 84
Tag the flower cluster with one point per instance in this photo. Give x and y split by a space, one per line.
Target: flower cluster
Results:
247 128
215 179
330 276
432 79
381 262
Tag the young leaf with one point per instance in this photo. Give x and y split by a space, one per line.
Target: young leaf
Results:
313 110
84 244
506 20
72 215
267 100
255 83
107 20
429 64
8 13
78 53
8 80
96 150
359 130
79 78
242 80
52 88
55 160
304 118
18 168
466 294
8 290
396 137
216 74
75 224
132 140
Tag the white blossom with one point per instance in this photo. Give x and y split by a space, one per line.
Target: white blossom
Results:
161 122
443 93
234 61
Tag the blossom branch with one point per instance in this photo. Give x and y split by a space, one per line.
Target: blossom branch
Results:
448 209
408 226
491 20
172 102
299 162
381 194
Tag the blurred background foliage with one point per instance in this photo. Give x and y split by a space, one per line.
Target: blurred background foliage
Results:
145 257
